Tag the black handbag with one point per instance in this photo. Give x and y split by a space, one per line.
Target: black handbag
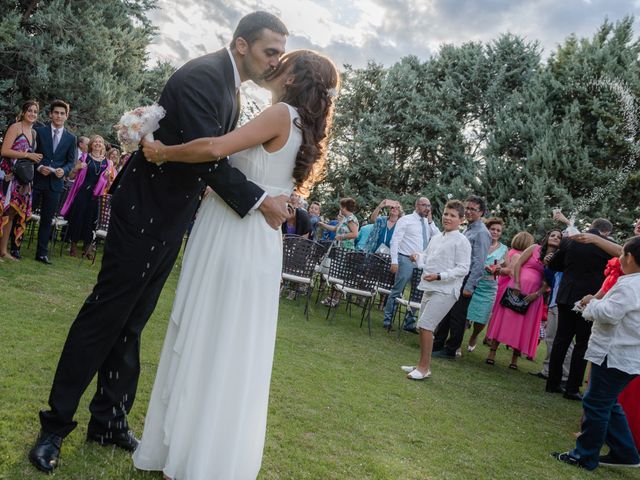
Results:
514 302
23 171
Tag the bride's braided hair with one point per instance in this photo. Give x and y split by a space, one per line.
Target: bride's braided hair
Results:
312 93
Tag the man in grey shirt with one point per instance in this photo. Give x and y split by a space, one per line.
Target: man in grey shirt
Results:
452 325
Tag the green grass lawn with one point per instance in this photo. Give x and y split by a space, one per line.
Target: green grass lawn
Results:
340 407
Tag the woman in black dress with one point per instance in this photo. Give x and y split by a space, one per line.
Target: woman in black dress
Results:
92 179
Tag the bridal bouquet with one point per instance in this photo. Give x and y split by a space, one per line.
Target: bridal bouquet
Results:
137 124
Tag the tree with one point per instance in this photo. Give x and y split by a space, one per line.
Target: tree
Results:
91 54
495 119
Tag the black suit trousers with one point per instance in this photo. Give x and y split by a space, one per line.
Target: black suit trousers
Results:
47 199
105 336
452 326
570 324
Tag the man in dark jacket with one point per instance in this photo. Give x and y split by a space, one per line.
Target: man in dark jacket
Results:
583 265
151 209
58 148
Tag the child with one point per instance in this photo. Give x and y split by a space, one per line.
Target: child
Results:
445 264
614 353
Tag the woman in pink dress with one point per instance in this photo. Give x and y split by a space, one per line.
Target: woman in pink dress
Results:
521 331
519 243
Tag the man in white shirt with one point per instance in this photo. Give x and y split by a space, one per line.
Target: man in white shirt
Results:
411 235
445 263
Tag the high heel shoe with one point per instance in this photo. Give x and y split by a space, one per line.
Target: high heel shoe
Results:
491 361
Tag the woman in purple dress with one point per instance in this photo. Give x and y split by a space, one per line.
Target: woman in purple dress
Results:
521 331
15 198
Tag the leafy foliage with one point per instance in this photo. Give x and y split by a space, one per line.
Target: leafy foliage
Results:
91 54
497 120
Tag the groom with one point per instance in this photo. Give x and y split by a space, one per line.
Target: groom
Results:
151 209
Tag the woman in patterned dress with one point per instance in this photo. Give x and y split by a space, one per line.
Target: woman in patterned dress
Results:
347 229
15 198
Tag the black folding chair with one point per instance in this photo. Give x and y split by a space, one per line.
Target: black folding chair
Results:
101 228
300 256
336 274
364 271
386 281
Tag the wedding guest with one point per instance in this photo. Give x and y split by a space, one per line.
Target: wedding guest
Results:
83 148
297 222
347 230
384 226
614 353
583 266
59 150
521 331
123 161
485 293
92 179
551 327
444 264
412 234
629 396
452 326
113 155
328 235
15 198
295 200
314 218
364 233
519 243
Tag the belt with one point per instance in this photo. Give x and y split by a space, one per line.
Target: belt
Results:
403 255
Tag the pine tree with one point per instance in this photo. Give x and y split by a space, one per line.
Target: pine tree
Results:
91 54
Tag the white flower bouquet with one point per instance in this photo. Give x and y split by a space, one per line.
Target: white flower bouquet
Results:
137 124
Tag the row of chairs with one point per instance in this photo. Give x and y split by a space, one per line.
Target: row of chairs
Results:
349 274
58 222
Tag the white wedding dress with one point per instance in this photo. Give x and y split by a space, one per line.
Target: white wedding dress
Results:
208 410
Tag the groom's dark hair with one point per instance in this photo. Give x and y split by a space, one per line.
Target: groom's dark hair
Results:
250 27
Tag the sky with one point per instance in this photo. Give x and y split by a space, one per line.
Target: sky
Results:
357 31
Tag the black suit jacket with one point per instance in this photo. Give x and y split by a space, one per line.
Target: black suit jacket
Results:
583 265
64 157
200 101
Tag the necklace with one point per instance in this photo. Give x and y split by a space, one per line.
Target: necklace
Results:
97 162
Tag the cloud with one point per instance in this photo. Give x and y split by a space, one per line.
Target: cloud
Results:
355 32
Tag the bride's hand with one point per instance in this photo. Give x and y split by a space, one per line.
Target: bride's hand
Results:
154 152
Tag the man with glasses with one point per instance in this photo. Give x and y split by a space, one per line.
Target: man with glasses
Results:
452 326
412 235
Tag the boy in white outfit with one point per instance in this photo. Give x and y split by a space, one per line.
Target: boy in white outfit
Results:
445 264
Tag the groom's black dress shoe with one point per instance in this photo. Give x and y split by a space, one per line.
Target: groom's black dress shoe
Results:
44 259
45 454
123 439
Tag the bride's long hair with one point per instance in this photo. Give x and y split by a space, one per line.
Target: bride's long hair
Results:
312 93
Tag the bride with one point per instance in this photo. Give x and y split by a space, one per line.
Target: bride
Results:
208 409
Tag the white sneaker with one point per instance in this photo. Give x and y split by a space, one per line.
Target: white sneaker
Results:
415 374
408 368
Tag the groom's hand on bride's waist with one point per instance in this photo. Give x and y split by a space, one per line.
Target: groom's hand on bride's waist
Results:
274 210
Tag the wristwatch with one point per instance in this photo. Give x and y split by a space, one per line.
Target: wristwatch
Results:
439 277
